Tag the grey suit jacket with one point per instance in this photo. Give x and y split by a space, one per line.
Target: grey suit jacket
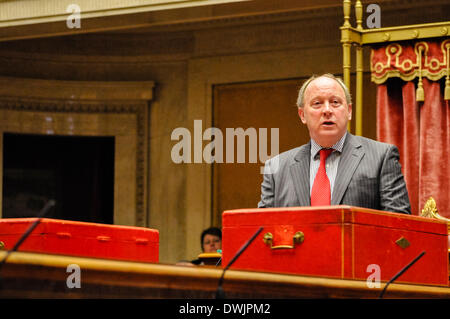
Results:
369 175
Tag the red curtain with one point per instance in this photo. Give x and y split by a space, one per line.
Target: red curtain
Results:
421 131
416 121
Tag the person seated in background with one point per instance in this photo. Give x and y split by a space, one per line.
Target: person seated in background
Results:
210 242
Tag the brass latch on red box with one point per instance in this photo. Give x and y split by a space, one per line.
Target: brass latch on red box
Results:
298 238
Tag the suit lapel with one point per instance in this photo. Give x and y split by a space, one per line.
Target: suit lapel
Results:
352 153
300 174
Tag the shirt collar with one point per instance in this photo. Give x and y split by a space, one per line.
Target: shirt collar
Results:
338 146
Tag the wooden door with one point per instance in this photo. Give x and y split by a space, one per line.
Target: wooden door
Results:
270 104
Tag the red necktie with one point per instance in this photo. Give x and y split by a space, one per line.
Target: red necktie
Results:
321 190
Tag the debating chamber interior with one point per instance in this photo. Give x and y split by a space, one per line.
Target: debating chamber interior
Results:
116 120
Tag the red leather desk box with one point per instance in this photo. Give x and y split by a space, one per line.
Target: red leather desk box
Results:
82 239
339 242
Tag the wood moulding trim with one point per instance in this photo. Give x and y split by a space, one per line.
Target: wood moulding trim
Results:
185 18
76 90
42 96
171 15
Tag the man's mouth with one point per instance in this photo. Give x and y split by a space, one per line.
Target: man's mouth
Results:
328 123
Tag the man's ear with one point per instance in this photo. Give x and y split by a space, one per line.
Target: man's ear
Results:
349 112
301 114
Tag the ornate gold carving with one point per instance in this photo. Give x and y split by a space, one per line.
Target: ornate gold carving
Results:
430 210
358 14
346 7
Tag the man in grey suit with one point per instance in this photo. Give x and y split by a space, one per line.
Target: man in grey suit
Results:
335 167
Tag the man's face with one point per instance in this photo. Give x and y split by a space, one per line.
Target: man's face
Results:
325 111
211 243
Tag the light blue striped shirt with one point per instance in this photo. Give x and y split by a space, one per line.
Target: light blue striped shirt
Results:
331 164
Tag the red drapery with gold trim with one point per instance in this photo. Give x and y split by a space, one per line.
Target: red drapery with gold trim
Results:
413 113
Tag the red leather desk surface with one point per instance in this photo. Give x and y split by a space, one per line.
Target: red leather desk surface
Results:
339 242
82 239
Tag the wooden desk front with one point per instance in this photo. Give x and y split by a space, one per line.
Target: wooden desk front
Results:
31 275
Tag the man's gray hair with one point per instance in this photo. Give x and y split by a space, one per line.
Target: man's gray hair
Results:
301 92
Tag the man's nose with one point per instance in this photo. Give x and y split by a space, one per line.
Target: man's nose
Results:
327 108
